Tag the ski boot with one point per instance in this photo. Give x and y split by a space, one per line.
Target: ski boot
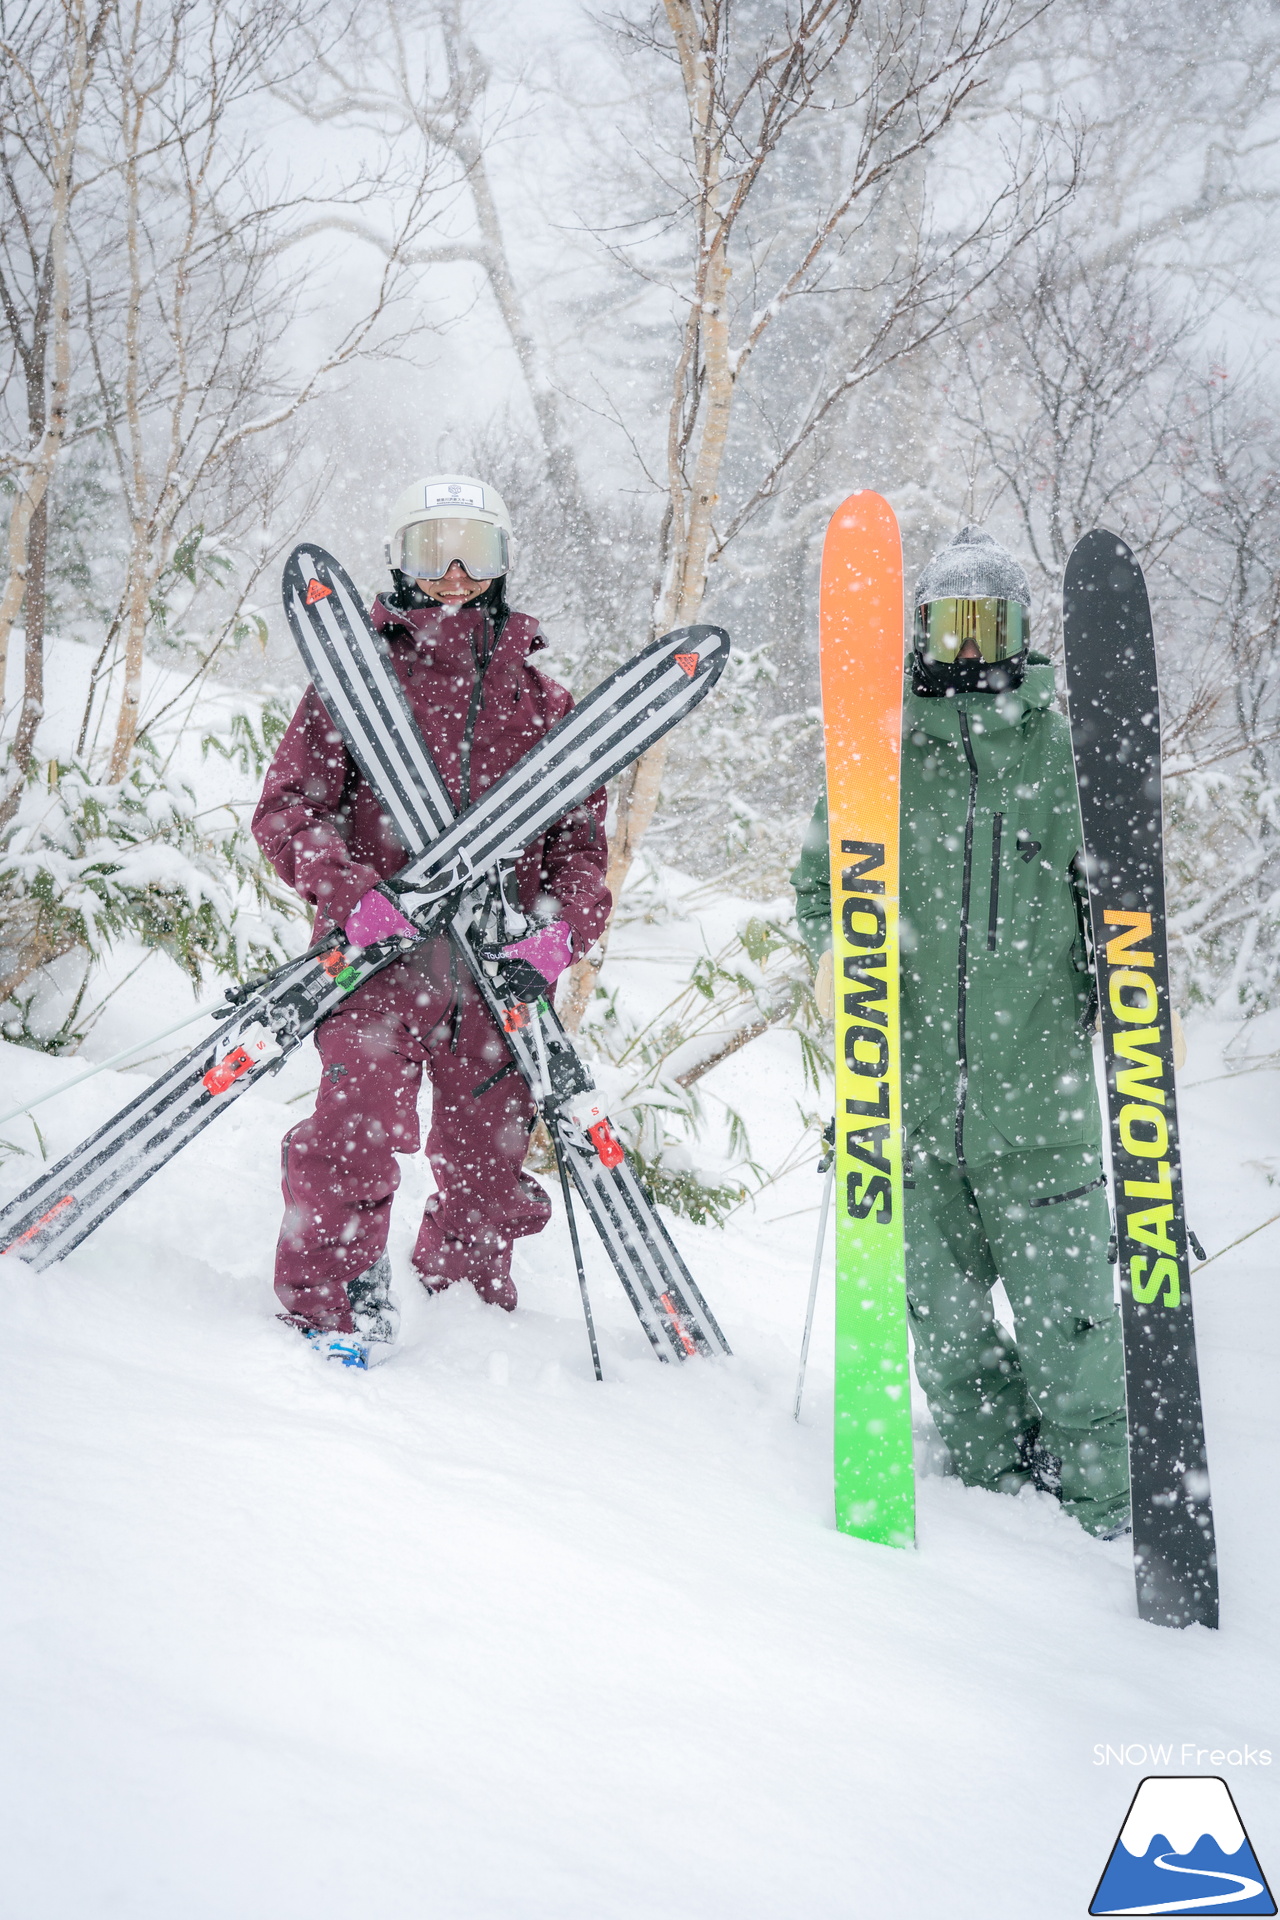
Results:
1046 1475
376 1318
374 1307
1046 1470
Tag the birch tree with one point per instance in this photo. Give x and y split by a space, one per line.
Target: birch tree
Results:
874 89
418 78
186 329
48 55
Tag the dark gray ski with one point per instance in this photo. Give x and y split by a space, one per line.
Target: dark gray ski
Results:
1115 731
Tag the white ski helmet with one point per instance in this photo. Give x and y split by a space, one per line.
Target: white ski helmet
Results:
448 517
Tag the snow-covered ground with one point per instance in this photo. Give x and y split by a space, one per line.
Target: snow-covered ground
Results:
473 1636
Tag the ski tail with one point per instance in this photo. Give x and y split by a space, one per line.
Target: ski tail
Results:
666 1300
655 1279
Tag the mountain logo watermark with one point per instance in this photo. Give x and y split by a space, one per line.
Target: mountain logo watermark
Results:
1182 1850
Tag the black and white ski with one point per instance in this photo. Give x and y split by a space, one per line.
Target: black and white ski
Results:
266 1021
1115 730
646 697
352 671
76 1195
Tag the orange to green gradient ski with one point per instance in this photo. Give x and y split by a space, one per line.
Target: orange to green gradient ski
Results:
861 648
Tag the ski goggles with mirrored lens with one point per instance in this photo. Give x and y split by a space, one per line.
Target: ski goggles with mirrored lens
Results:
998 628
429 548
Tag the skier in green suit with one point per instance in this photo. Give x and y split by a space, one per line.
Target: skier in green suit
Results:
1003 1127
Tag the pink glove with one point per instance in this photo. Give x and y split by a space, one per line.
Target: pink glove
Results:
548 951
373 918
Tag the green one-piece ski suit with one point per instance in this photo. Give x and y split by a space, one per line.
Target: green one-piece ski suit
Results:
1003 1127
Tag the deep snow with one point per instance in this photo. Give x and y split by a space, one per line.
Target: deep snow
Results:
472 1636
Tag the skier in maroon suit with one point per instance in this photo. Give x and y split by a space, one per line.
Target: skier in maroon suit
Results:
463 658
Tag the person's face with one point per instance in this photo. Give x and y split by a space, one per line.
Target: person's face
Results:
456 587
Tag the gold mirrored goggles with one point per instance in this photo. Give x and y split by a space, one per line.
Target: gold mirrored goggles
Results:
429 548
999 629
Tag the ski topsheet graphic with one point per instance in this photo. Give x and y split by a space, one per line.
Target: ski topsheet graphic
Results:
265 1021
862 652
1115 731
352 671
1182 1850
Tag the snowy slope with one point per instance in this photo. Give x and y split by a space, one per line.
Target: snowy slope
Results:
472 1636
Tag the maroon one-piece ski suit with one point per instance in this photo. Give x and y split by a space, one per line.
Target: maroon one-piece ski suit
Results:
480 707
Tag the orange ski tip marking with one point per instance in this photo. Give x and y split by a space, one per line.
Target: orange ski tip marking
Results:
689 661
67 1200
677 1323
316 592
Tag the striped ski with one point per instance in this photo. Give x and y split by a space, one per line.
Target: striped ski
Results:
351 669
648 695
72 1198
861 646
265 1021
1114 699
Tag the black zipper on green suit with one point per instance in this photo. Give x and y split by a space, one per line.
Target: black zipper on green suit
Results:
962 1003
993 911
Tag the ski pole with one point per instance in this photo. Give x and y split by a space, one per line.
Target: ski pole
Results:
27 1105
1240 1242
577 1250
827 1185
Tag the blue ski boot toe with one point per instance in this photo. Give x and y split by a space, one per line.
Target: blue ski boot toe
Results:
342 1347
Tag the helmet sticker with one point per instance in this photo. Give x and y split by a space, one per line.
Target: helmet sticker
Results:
454 493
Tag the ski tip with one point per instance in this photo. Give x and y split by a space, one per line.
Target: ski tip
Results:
700 652
312 574
862 556
863 507
1096 559
863 514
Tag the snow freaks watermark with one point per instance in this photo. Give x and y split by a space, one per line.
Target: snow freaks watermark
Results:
1182 1849
1186 1755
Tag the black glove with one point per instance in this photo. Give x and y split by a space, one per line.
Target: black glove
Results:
518 980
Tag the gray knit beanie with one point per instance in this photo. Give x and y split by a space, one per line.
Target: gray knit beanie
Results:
973 567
